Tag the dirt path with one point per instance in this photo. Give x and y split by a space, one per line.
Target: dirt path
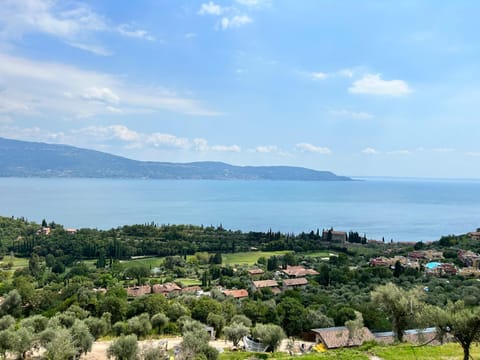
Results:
99 348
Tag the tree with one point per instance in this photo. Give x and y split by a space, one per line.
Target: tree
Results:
318 319
97 327
23 342
399 305
355 327
124 348
270 335
6 322
7 339
293 316
82 339
35 266
235 332
61 346
461 322
12 304
217 321
159 322
138 272
139 325
242 319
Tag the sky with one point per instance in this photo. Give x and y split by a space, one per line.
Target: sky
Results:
360 88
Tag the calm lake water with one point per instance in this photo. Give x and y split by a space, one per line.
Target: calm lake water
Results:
402 210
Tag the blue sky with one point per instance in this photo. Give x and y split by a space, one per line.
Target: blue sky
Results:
357 87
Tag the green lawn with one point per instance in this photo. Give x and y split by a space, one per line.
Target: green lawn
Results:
394 352
17 262
409 352
248 258
188 282
320 254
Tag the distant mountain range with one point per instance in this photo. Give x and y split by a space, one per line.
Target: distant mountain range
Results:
32 159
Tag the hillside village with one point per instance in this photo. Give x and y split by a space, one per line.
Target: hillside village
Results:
326 298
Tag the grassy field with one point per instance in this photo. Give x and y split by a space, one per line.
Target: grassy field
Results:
248 258
394 352
17 262
322 254
188 282
408 352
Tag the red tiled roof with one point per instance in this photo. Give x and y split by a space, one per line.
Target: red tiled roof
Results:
139 290
237 294
295 282
298 271
191 289
255 271
166 288
265 283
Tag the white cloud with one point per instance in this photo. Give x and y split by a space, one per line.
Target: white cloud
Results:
200 144
210 8
306 147
369 151
131 31
266 149
318 75
36 88
357 115
225 148
190 35
248 2
373 84
235 21
346 73
74 23
167 140
101 94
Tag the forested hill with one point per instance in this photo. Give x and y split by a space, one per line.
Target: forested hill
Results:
32 159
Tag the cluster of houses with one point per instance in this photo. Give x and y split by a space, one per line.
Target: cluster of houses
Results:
293 277
428 259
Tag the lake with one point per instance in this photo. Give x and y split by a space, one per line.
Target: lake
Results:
398 209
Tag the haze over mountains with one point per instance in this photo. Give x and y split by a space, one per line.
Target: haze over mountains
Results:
33 159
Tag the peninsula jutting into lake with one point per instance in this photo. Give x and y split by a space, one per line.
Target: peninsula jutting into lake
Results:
33 159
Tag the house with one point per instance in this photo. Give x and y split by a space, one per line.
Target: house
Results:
71 231
45 230
255 272
195 289
135 291
474 235
337 337
167 288
264 284
236 294
295 283
334 236
469 258
380 261
413 336
428 255
298 271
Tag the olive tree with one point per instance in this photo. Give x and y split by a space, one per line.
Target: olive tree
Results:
235 332
398 304
461 322
124 348
269 334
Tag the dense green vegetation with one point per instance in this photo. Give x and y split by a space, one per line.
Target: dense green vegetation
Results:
74 284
